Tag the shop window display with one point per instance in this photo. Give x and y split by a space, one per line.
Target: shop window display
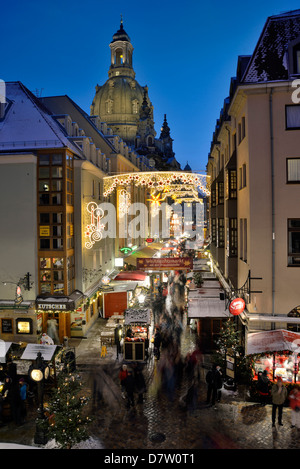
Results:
284 365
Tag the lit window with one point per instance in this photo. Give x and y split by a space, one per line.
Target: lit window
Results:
293 170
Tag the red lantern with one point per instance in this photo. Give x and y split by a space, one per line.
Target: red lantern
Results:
237 306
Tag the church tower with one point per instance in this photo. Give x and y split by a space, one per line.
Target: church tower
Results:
126 108
119 101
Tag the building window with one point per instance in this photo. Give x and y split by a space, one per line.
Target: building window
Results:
232 237
242 176
294 242
213 230
213 197
293 169
231 184
221 233
292 116
243 239
220 193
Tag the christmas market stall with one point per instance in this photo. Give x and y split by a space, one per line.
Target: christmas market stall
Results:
136 337
277 352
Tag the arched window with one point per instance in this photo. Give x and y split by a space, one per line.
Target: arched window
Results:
294 313
119 57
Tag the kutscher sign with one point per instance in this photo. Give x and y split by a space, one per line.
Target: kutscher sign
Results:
168 263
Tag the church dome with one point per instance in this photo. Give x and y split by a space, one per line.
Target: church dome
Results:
121 35
117 103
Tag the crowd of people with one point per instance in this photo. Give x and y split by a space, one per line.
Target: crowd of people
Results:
14 396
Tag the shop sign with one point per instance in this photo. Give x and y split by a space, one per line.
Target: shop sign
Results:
44 230
229 366
167 263
237 306
51 306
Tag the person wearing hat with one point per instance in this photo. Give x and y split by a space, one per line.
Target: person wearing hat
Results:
279 395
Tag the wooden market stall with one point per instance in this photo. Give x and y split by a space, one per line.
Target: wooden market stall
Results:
277 352
136 340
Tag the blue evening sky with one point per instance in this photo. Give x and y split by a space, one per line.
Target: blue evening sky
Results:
186 52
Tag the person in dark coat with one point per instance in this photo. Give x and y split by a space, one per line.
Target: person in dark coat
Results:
157 343
118 330
214 383
129 388
140 385
263 387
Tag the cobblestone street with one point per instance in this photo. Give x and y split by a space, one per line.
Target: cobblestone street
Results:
161 423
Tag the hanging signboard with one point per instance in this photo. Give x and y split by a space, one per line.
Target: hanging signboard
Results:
167 263
237 306
229 366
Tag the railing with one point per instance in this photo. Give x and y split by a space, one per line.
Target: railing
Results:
31 144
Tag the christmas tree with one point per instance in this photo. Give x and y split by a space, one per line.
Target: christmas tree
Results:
66 423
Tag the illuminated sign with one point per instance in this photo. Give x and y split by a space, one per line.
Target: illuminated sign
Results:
237 306
126 250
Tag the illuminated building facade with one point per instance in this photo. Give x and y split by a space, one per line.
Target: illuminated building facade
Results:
254 161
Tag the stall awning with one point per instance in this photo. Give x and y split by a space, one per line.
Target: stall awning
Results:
137 315
135 276
272 341
4 348
207 308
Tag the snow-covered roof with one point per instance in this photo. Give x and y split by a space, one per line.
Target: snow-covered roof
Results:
28 124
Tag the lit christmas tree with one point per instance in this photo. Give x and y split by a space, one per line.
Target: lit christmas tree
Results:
66 423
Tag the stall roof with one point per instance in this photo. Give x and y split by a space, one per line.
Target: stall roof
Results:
272 341
4 348
207 308
137 315
135 275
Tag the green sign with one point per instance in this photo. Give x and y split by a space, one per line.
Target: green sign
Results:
126 250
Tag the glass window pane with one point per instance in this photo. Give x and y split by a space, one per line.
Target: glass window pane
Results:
56 199
57 159
44 217
57 172
293 168
56 185
44 186
44 243
58 262
44 160
44 172
44 199
293 117
45 288
57 217
45 263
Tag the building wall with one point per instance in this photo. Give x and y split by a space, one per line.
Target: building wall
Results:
18 231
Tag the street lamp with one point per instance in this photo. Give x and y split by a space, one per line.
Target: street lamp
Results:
38 372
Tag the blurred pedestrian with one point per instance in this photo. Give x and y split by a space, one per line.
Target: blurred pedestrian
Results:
192 397
129 384
123 373
157 343
294 398
118 333
263 387
279 395
214 383
23 395
140 385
